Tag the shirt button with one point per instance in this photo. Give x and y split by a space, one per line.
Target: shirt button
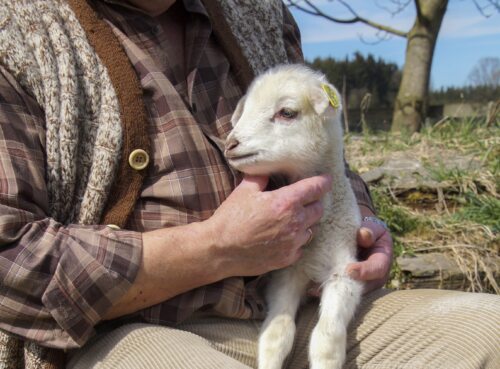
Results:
138 159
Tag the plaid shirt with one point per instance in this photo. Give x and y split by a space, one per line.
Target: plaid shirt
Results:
58 281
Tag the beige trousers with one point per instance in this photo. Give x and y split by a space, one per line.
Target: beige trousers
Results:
417 329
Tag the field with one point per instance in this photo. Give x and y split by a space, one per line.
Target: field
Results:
438 190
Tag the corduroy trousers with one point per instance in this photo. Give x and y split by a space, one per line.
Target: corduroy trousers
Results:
415 329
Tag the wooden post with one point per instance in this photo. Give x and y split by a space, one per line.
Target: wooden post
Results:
344 104
365 104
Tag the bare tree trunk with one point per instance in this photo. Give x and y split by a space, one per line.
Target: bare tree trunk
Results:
412 100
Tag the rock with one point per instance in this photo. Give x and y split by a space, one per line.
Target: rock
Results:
373 175
436 270
402 172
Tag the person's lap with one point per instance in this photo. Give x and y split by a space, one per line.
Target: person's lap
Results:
404 329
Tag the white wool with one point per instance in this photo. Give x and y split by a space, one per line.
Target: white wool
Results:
265 142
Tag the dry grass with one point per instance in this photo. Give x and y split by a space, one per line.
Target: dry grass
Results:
460 218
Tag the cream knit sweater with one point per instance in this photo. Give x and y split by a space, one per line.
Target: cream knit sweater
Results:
44 46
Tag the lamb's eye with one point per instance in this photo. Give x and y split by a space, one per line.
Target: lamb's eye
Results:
287 113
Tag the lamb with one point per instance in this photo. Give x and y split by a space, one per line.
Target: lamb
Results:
289 124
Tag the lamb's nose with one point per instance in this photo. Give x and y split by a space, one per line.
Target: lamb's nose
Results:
231 143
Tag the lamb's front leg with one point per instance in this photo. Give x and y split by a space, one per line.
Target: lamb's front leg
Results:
284 292
339 299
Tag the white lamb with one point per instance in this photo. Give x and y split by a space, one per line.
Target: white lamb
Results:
289 123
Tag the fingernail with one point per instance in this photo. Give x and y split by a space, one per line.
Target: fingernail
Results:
354 274
368 233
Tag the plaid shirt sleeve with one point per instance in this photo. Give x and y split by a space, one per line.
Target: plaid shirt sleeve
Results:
293 46
57 280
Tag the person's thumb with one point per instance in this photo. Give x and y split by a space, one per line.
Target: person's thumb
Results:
253 183
369 233
365 237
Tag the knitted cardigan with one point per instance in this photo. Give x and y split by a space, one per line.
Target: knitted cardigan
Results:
62 53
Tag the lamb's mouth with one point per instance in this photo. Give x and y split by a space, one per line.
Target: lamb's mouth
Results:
235 158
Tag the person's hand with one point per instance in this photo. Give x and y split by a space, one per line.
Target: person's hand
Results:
375 253
256 231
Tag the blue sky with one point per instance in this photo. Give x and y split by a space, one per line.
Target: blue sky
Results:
466 36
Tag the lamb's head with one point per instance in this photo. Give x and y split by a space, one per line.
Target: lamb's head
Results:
288 123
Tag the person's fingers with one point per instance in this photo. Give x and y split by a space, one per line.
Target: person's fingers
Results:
296 256
376 243
312 213
377 248
375 267
305 237
253 183
369 233
309 190
370 286
383 242
365 237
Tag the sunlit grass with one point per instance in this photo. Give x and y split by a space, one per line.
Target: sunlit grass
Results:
461 217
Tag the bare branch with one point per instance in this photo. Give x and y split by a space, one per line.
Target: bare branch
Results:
399 4
314 10
318 12
381 36
483 9
370 23
293 4
495 4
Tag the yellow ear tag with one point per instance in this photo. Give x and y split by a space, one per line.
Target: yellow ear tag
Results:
332 96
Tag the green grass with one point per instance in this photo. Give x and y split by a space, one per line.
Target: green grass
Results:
480 209
397 217
399 220
464 217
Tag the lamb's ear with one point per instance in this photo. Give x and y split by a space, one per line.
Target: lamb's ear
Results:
238 111
324 95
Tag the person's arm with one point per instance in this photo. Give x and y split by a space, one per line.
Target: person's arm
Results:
59 281
374 241
251 233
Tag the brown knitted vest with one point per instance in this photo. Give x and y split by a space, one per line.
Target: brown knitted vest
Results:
245 30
